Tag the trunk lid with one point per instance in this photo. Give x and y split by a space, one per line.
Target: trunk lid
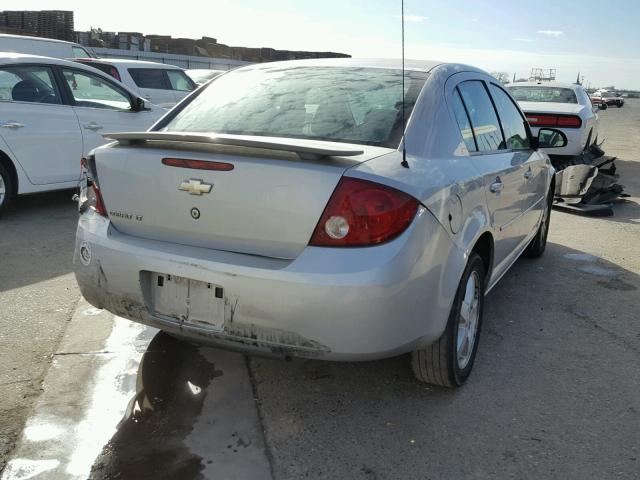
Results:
551 107
268 204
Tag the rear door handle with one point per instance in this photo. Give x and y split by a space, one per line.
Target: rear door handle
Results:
496 186
12 125
93 126
528 174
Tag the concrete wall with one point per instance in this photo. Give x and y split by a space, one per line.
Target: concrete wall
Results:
184 61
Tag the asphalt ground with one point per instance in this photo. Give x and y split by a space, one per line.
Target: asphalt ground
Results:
555 391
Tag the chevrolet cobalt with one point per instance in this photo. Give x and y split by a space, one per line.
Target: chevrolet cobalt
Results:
329 209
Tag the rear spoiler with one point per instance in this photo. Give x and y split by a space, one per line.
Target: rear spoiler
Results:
306 149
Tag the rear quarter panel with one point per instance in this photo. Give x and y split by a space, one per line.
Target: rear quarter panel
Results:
441 174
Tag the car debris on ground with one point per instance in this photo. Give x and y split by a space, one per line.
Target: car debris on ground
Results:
587 183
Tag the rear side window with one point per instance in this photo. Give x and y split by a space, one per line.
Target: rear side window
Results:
463 122
33 84
180 81
484 120
512 122
150 78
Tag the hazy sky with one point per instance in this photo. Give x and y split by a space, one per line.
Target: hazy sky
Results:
599 39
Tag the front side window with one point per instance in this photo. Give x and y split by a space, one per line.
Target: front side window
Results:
149 78
89 90
180 81
33 84
513 125
484 120
543 94
353 105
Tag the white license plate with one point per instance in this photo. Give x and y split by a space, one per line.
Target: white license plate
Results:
190 301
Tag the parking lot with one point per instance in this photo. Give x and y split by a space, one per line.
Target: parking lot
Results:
554 392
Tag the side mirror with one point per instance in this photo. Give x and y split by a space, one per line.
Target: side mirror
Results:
140 104
551 138
602 106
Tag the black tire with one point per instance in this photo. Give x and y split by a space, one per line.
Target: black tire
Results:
588 144
619 104
539 243
9 189
438 363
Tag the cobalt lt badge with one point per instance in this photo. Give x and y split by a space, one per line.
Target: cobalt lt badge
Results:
195 213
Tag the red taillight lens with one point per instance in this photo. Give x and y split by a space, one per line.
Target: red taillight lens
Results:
90 195
114 73
545 120
570 121
361 213
98 205
198 164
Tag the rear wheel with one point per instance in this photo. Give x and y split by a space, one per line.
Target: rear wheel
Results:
7 189
539 243
448 361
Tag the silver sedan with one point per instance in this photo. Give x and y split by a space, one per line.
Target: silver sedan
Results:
333 209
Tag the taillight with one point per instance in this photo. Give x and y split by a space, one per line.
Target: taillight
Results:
114 73
90 195
550 120
361 213
98 205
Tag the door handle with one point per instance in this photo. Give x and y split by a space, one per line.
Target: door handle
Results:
496 186
93 126
528 174
12 125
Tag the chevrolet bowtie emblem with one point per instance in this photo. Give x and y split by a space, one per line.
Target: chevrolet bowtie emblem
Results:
195 187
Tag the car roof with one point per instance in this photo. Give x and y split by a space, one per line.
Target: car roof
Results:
11 58
419 65
41 39
16 57
544 84
129 63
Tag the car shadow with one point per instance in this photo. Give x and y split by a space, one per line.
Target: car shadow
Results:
556 362
37 235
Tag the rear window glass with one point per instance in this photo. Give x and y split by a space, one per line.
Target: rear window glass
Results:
149 78
543 94
106 68
354 105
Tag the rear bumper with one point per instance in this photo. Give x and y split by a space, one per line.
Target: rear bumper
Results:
331 303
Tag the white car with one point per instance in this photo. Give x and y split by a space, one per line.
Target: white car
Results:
201 76
163 85
564 106
47 47
52 113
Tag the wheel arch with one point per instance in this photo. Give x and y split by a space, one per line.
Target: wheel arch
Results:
484 247
7 163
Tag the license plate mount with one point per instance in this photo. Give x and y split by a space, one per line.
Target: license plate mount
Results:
192 302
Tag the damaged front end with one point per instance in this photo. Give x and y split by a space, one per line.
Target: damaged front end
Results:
587 183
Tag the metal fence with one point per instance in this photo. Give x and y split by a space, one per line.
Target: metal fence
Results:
183 61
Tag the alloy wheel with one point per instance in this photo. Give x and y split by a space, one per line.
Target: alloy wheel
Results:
468 320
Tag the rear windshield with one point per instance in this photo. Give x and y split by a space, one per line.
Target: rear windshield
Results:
354 105
543 94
